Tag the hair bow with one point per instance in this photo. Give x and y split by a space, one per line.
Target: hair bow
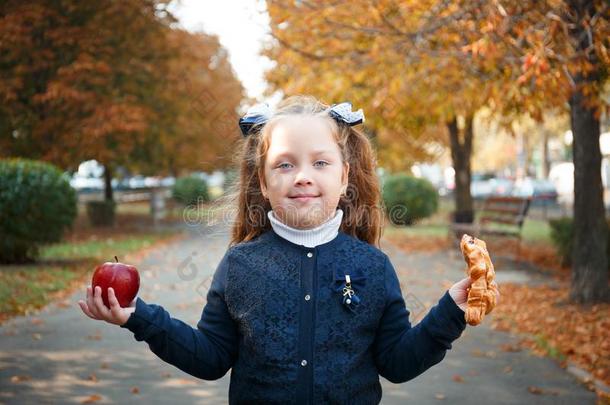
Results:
256 115
343 112
261 113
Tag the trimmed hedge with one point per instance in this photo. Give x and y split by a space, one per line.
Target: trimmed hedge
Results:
562 237
37 204
188 190
408 199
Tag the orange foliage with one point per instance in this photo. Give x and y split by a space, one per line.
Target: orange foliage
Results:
411 64
112 81
573 332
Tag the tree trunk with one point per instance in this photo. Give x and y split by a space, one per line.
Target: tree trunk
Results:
461 150
546 162
522 163
589 261
108 195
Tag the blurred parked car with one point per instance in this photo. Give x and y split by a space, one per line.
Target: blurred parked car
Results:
501 186
168 181
86 184
120 184
486 185
480 187
137 182
540 191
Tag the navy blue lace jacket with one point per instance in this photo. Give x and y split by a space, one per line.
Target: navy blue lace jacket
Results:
275 315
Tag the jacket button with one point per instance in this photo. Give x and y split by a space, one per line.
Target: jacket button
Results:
307 297
309 254
303 363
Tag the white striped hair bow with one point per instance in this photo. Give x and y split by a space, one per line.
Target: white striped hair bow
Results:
259 114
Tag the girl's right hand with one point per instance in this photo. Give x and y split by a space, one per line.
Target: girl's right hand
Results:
94 307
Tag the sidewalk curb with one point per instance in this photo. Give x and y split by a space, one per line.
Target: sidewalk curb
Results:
582 375
585 377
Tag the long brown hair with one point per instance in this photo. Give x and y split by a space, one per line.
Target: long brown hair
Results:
360 204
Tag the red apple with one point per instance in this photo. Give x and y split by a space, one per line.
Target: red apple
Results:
123 278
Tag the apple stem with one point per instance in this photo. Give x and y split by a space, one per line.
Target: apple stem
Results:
115 258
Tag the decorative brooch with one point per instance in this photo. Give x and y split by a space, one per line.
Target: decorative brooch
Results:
347 286
349 295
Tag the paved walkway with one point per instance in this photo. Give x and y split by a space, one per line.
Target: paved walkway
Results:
59 356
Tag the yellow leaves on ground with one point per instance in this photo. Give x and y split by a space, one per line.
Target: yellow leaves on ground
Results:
566 331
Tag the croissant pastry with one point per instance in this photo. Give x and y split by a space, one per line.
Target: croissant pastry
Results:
483 291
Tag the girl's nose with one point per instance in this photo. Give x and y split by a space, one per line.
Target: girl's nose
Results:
302 178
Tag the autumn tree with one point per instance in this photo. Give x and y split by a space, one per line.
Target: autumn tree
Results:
74 77
111 81
561 49
196 108
409 63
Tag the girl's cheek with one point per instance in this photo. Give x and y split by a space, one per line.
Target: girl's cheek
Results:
279 181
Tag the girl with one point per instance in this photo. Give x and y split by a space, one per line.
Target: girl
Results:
303 307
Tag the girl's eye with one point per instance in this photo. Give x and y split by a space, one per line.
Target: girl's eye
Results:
282 165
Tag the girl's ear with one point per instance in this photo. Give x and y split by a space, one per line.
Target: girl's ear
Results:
345 176
263 186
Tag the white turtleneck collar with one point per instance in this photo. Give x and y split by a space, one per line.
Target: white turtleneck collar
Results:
308 237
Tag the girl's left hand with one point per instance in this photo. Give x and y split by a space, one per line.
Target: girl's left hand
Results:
95 308
459 292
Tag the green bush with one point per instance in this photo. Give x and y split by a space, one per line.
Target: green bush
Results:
408 199
188 190
101 213
562 236
37 204
231 177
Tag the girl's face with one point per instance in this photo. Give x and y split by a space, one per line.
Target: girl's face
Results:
303 172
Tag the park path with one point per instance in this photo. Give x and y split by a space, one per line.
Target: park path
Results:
59 356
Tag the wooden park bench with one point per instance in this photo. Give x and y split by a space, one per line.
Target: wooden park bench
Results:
501 217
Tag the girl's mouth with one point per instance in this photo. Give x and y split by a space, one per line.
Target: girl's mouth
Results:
304 198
